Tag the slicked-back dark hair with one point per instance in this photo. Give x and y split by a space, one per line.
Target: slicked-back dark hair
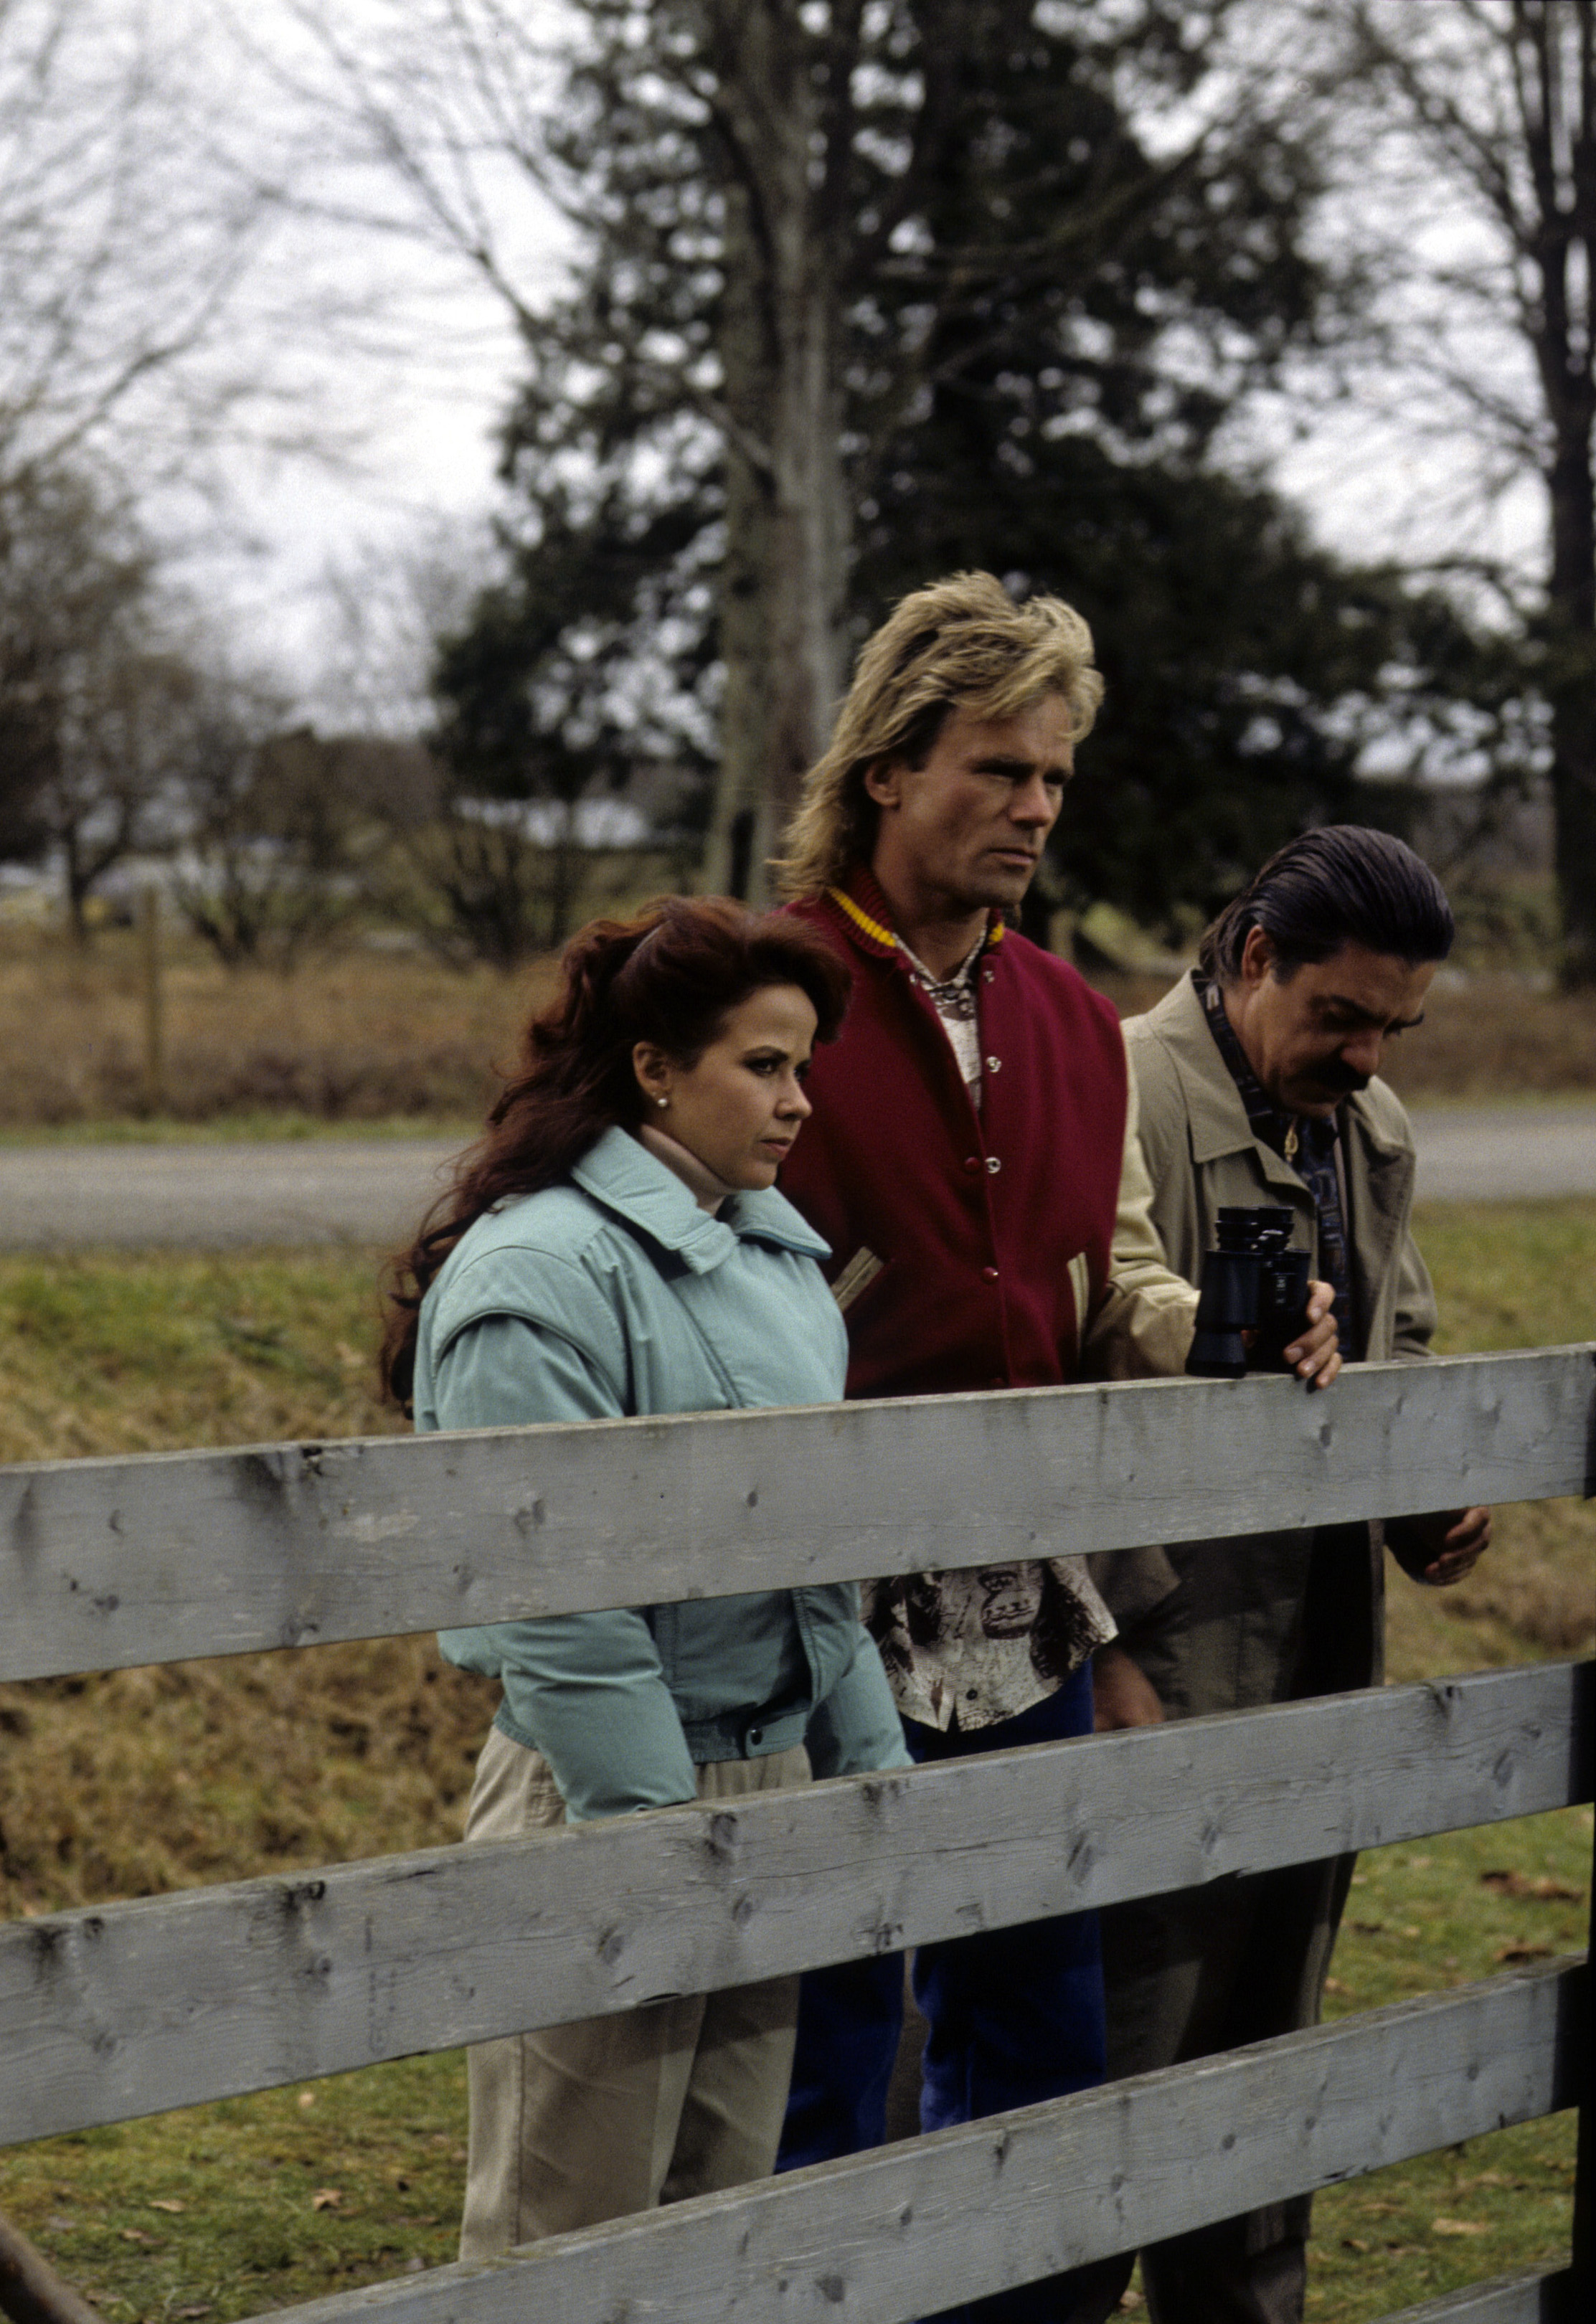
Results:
671 977
1343 884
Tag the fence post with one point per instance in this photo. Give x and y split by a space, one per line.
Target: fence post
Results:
31 2292
1581 2283
154 1025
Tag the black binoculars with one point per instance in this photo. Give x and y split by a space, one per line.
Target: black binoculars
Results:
1253 1282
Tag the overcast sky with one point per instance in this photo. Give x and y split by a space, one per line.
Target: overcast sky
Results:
398 360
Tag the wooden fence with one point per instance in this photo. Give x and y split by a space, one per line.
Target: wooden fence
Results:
130 2008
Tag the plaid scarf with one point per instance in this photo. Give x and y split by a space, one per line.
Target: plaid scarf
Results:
1303 1141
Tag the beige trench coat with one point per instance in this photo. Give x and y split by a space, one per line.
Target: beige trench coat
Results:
1253 1624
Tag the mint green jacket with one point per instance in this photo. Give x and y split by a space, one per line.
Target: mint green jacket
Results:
613 1296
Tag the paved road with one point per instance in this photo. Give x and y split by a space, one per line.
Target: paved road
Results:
219 1197
215 1197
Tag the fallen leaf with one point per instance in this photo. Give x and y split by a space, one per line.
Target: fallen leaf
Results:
1522 1953
1354 2242
1410 1930
166 2203
1547 1890
326 2199
135 2236
200 2307
60 2227
307 2101
1485 2179
1369 1928
1333 1985
415 2264
1458 2228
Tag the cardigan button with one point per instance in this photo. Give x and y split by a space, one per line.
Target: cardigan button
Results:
998 1379
972 1165
989 1275
993 1164
994 1065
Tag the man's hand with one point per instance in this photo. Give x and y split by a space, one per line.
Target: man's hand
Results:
1314 1355
1122 1695
1454 1539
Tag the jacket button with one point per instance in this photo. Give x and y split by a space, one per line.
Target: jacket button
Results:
972 1163
986 975
994 1065
989 1275
993 1165
756 1735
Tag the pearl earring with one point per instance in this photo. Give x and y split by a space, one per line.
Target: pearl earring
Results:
661 1101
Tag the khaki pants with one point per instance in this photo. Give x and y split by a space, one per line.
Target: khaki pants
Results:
612 2115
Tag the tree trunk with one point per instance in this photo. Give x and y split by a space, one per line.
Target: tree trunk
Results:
1559 66
784 569
1571 688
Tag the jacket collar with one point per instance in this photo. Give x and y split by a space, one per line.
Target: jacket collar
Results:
623 1177
1218 1118
867 917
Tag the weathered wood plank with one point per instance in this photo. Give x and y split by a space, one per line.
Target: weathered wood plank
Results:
920 2226
1537 2296
132 2008
170 1555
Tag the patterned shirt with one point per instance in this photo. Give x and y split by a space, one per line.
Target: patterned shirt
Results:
1307 1143
954 999
981 1643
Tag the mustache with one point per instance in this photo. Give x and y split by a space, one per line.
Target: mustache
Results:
1339 1079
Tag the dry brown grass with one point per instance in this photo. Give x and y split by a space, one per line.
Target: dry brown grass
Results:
137 1782
354 1036
365 1036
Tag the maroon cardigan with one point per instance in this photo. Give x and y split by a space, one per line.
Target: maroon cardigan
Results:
976 1215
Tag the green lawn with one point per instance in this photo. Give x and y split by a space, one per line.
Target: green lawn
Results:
140 1781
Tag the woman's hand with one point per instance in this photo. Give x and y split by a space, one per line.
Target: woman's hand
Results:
1314 1355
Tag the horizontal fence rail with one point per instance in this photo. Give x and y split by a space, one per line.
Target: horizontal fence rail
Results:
893 2234
1534 2296
166 1557
132 2008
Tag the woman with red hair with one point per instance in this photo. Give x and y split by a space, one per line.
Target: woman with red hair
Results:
613 1246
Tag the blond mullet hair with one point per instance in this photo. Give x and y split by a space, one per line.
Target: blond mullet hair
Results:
959 644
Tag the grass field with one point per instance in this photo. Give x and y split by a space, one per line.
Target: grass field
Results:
140 1781
381 1038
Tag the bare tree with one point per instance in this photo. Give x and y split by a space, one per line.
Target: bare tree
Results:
124 237
1480 119
87 692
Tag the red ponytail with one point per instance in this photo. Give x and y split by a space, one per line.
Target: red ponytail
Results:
671 977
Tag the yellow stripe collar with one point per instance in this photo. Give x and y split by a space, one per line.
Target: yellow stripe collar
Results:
886 938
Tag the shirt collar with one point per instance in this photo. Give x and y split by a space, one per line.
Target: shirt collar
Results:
867 915
1283 1133
622 1174
962 977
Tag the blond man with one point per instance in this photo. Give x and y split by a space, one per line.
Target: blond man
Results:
972 1161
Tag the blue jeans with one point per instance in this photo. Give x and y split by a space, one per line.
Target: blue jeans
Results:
1015 2015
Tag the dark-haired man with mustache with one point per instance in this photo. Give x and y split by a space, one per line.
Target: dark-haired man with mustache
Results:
1256 1080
